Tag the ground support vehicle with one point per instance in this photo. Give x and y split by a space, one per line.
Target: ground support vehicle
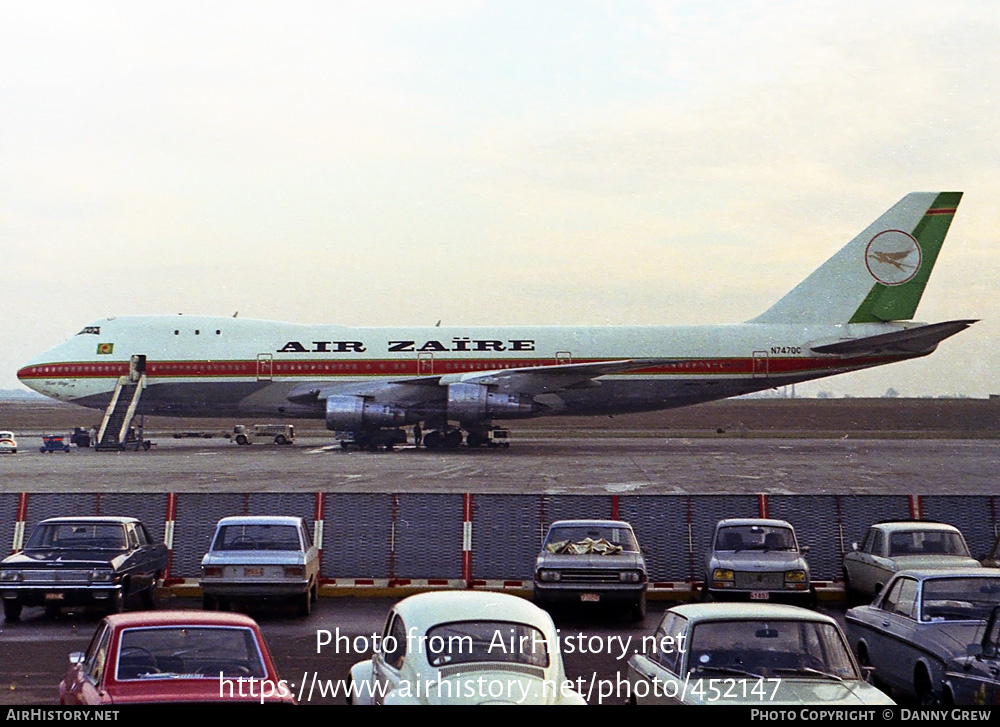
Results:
53 443
281 434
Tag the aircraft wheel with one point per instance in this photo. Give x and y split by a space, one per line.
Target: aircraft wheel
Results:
474 439
433 440
453 438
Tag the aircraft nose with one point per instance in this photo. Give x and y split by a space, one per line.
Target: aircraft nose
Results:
26 375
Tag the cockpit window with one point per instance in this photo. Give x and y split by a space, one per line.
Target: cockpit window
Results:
96 330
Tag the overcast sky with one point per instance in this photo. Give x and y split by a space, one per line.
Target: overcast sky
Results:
550 162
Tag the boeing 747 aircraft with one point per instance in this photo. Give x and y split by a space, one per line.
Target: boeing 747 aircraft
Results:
853 312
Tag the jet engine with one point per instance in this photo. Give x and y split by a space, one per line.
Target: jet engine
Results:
353 413
477 402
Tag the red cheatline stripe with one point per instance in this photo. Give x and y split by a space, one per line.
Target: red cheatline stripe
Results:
942 211
374 368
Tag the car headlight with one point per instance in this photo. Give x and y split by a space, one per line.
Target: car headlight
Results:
722 574
795 576
548 576
100 575
11 576
630 576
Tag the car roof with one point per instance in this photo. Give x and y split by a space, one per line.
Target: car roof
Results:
737 611
260 520
770 522
179 618
586 523
92 519
425 610
914 525
955 572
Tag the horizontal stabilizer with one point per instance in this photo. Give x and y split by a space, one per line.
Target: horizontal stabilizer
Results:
910 340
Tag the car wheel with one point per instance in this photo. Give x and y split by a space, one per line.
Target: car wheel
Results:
241 439
149 595
811 599
703 595
208 603
304 603
117 604
639 609
52 610
280 439
922 687
12 610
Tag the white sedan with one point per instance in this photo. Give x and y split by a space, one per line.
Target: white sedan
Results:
465 647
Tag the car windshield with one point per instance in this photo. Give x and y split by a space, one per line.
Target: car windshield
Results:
959 599
189 652
754 537
500 642
764 648
77 536
257 537
927 542
598 539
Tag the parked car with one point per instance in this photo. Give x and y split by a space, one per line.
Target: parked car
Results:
8 443
174 656
757 559
591 561
992 559
259 558
974 677
83 561
897 545
466 647
919 622
748 654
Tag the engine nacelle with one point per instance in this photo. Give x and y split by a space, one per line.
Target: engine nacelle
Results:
352 413
475 402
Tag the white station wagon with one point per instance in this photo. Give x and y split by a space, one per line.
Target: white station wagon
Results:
259 558
465 647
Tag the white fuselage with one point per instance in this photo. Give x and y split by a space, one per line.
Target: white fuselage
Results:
209 366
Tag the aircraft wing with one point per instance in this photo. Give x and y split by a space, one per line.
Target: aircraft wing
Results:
534 380
528 380
918 339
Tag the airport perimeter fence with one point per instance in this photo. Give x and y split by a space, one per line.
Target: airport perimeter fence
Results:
491 540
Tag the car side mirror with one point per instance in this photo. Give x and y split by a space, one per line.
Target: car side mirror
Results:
868 672
76 657
854 546
974 649
804 549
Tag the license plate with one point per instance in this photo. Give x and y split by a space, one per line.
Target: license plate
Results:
590 597
760 596
253 572
53 596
